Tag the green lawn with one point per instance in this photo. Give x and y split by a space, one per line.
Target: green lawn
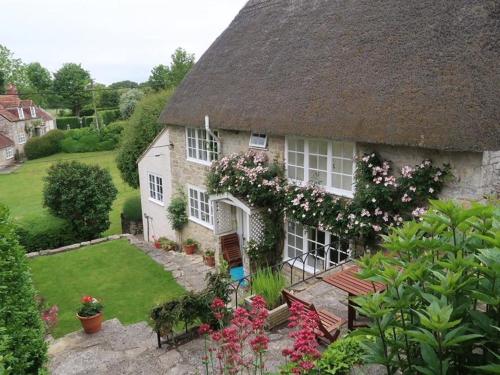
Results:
22 190
127 281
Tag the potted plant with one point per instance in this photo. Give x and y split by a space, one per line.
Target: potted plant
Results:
190 246
156 243
90 314
269 284
209 258
167 244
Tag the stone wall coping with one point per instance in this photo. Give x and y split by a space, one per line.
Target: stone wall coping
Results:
76 246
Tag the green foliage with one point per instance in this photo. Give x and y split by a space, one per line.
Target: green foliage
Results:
128 102
167 77
108 116
40 82
90 139
48 144
442 304
177 211
73 122
160 78
132 210
70 85
167 244
190 241
39 235
12 69
109 98
89 307
22 346
81 194
269 284
142 129
340 357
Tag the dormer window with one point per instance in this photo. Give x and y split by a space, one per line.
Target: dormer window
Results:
20 113
258 140
33 112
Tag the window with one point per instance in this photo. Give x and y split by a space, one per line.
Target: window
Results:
201 146
20 113
258 140
33 112
200 207
155 188
21 138
9 152
326 163
318 250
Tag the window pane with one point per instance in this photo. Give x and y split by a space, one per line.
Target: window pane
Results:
313 162
300 160
348 150
337 149
347 167
300 174
336 180
292 158
347 183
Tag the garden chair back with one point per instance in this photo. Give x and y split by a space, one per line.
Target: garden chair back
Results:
230 246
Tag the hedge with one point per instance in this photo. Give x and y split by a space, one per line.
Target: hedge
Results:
108 116
132 210
48 144
74 122
22 344
89 139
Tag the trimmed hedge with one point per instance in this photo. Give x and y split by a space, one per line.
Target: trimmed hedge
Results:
108 116
22 344
132 210
48 144
73 122
89 139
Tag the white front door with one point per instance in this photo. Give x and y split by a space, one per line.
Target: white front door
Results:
242 227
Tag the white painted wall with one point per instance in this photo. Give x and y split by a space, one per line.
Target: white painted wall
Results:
154 215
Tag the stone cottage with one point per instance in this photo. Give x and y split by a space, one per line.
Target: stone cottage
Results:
315 83
19 121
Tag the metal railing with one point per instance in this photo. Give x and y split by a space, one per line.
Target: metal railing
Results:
327 257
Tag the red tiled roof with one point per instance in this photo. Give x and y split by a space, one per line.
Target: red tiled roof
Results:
12 114
5 141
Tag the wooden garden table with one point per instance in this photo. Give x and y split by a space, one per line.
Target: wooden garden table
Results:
349 281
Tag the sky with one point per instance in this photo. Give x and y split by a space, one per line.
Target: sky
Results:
113 39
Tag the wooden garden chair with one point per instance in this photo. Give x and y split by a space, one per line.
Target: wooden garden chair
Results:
329 324
230 246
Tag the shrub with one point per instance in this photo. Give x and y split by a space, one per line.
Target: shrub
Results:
63 122
142 129
128 102
89 139
22 346
132 210
81 194
108 116
269 284
167 244
46 145
177 211
341 356
45 234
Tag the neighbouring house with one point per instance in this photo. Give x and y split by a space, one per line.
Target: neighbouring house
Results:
19 120
316 83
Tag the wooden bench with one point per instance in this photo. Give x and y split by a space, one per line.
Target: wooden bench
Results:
329 324
230 246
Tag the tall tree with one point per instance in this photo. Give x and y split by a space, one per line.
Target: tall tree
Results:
128 101
12 69
70 85
182 62
160 78
22 345
40 82
109 98
124 85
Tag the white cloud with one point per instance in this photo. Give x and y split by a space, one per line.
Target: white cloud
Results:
114 39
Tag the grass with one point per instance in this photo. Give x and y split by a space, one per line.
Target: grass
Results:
127 281
22 190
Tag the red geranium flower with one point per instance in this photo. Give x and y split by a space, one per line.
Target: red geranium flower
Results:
87 299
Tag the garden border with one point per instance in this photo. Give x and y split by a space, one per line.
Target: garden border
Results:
77 245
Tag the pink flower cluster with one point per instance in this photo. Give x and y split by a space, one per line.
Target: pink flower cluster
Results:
242 345
50 317
305 347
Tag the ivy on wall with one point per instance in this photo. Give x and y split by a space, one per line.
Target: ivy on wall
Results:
381 200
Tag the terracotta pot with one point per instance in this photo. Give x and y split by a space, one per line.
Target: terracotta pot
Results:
210 260
157 244
190 249
91 324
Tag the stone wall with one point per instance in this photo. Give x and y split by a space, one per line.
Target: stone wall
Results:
490 173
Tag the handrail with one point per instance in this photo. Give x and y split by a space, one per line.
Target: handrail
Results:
328 264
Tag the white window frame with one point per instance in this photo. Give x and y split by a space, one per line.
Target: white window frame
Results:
21 138
9 153
20 113
259 136
33 112
197 217
328 187
298 263
203 137
156 188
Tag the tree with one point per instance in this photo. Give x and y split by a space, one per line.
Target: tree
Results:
160 78
40 81
81 194
109 98
182 62
70 85
142 129
22 345
128 101
124 85
12 69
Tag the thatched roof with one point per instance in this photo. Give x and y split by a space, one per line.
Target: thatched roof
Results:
420 73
